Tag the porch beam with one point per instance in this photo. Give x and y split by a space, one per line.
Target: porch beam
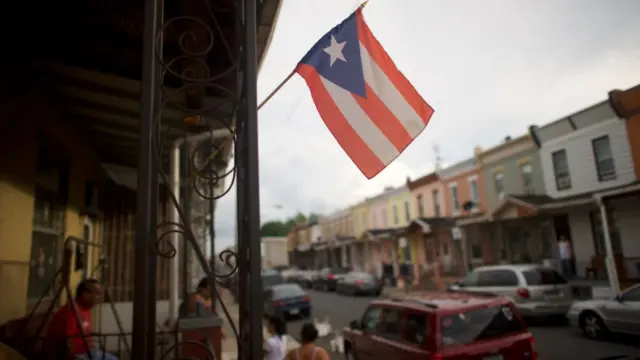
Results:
612 272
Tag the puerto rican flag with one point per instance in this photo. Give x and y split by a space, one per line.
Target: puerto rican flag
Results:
371 109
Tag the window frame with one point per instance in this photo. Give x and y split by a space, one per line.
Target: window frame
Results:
436 202
474 190
603 177
407 211
498 178
455 200
420 202
396 218
378 318
381 322
514 273
556 174
530 189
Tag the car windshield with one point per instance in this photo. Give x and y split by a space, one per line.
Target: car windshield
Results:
543 277
479 324
287 291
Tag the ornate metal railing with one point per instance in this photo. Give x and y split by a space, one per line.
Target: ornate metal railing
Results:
169 79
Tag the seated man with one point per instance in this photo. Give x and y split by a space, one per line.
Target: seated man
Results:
63 328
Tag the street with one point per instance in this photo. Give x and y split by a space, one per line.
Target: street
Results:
552 341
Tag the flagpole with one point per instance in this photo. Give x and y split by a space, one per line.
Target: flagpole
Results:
276 89
266 100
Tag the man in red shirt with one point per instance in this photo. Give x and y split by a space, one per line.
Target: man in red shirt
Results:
64 325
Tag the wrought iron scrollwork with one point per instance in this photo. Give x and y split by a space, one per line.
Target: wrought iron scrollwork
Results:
185 70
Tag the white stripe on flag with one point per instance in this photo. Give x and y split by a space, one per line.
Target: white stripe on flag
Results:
361 123
389 94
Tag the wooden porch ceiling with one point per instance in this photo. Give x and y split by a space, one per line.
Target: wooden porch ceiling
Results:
88 60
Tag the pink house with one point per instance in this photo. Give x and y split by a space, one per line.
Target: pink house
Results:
428 202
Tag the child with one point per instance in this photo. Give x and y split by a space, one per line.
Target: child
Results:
276 345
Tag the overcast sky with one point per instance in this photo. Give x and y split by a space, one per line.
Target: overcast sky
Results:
490 68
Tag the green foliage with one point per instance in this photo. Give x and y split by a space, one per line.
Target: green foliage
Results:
282 228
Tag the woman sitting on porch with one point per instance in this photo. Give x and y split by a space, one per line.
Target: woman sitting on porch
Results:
199 302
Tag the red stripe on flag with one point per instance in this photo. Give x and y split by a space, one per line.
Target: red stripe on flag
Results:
384 119
380 56
342 131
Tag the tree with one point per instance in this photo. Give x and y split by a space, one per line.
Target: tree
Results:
282 228
273 228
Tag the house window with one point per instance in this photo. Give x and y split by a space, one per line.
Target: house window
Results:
364 221
395 215
526 172
604 159
598 233
436 203
374 221
473 190
455 205
420 206
407 211
498 182
384 218
561 169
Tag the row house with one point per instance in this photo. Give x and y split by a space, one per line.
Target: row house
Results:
583 154
299 245
507 232
337 236
360 253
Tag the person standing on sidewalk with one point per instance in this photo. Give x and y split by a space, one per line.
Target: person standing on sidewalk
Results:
564 251
308 350
276 345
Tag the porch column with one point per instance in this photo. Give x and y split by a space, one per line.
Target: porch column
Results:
612 272
367 256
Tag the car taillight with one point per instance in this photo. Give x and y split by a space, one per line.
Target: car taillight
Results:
523 293
359 282
306 299
331 276
436 357
278 303
534 353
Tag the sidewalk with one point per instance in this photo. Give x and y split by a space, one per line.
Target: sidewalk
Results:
229 344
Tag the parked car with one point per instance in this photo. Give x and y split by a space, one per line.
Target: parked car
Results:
287 300
536 291
599 318
306 278
358 283
440 326
327 278
289 275
271 278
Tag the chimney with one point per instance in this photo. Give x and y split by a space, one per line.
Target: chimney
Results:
507 138
477 150
388 188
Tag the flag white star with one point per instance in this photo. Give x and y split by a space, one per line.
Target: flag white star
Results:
335 50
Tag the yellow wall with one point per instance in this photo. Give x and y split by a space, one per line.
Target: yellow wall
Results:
361 218
17 179
398 200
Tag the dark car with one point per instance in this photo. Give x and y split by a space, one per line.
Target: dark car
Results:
456 326
271 278
327 278
287 300
359 283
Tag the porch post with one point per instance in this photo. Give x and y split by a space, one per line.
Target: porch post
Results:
612 272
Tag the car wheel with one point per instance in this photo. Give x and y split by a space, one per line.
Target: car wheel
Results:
378 292
592 325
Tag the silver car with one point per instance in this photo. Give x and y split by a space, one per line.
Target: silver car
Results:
620 314
536 291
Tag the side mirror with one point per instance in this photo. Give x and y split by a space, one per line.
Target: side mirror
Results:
354 325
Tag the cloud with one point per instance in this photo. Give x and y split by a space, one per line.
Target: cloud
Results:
489 71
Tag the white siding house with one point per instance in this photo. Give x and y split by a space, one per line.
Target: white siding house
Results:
586 153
